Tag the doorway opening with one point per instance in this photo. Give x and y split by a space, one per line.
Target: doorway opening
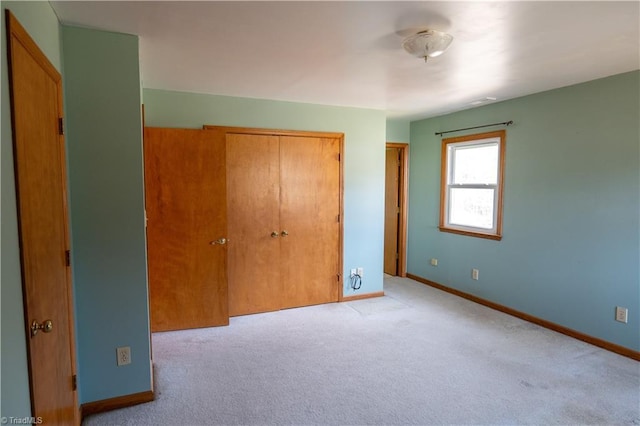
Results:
395 217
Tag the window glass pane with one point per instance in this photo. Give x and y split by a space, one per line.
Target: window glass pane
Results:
475 164
471 207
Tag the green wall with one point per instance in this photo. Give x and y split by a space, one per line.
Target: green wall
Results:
398 130
104 138
364 132
570 249
41 23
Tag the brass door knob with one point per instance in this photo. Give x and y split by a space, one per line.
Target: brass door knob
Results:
221 241
284 233
274 234
46 327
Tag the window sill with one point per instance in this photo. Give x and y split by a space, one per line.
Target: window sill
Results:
495 237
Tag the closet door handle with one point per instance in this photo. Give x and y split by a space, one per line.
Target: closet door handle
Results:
46 327
284 233
274 234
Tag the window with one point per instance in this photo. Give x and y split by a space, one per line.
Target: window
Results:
471 185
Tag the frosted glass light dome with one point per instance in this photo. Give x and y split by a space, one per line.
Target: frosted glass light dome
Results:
427 44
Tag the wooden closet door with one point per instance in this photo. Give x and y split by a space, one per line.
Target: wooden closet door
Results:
253 178
309 212
185 195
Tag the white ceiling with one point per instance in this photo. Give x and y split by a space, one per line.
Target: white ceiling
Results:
349 53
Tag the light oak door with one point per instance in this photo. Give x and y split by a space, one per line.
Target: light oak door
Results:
253 178
36 94
391 211
284 207
186 206
309 218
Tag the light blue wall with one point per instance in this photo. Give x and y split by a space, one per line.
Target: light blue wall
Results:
104 137
364 132
41 23
570 251
398 130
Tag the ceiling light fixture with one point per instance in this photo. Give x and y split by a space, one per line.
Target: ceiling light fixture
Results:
427 44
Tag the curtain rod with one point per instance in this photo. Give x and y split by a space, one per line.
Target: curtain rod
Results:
505 123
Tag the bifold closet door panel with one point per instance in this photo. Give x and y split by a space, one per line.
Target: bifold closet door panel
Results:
309 212
185 197
253 183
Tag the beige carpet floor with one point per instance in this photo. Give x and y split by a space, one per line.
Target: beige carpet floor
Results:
415 356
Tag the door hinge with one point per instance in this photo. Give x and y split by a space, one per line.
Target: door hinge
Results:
338 218
338 157
67 257
397 256
397 209
74 382
338 276
60 126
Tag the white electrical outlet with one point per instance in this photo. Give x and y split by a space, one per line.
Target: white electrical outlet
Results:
124 355
361 272
622 314
475 274
434 262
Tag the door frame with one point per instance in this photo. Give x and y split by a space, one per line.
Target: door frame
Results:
304 133
403 191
